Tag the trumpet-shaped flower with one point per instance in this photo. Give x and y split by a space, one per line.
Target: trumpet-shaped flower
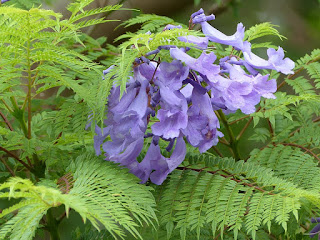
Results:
276 60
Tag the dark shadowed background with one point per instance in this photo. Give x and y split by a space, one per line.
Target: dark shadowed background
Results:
298 20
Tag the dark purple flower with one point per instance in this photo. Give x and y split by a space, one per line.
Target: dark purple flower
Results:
315 231
157 166
173 114
315 220
100 137
126 120
201 130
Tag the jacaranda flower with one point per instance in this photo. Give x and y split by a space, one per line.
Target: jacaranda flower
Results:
276 60
173 101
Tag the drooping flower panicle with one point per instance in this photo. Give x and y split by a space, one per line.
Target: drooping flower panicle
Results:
177 100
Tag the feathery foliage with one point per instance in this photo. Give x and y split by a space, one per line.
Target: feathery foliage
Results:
232 197
114 205
268 190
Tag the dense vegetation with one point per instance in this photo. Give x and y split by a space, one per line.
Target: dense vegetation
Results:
203 184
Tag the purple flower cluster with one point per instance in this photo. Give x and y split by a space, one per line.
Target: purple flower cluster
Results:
174 101
316 230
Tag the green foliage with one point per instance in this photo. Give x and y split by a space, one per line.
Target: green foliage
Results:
25 4
273 191
261 30
236 198
118 206
149 22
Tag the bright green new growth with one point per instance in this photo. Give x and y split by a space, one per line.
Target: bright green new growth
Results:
90 190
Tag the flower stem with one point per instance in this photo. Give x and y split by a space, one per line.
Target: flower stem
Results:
232 140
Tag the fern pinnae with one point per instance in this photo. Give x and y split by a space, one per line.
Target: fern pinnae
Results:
167 203
229 200
95 11
188 203
313 70
201 218
262 29
214 195
254 217
237 220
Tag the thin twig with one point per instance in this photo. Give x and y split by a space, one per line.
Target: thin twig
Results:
244 128
217 151
6 121
235 121
15 157
232 140
302 147
228 176
271 132
224 141
7 106
7 167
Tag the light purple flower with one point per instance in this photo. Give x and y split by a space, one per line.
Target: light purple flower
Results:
172 74
241 91
3 1
144 72
276 60
203 64
200 42
199 17
214 35
170 26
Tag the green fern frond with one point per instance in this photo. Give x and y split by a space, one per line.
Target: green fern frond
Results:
301 85
231 197
95 11
289 163
313 70
78 6
101 192
307 135
261 30
25 4
308 58
280 106
150 22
